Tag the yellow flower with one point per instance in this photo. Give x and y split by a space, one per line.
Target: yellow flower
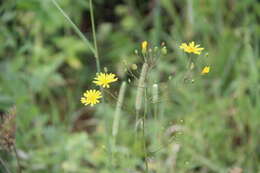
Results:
205 70
191 48
144 46
103 79
91 97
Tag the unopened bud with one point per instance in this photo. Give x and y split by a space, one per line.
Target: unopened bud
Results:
134 67
164 50
144 46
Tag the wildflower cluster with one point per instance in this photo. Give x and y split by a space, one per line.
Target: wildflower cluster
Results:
91 97
150 53
146 48
192 48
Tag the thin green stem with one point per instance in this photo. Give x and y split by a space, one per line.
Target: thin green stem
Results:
94 36
144 145
136 129
157 23
110 149
74 26
143 132
117 116
155 102
96 54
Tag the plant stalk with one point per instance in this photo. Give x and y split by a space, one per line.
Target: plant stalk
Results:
96 54
143 134
74 26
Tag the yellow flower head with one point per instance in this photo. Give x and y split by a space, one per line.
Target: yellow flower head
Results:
191 48
103 79
144 46
205 70
91 97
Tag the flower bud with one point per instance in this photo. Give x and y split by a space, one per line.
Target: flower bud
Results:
144 46
164 50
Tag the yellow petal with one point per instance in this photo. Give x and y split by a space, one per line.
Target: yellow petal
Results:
205 70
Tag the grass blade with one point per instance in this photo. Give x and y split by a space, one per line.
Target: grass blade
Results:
80 34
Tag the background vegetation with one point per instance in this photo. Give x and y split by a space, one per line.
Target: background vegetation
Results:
210 126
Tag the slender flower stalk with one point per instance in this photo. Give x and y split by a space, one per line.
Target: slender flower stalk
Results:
96 54
155 98
80 34
140 88
119 105
117 116
143 132
138 105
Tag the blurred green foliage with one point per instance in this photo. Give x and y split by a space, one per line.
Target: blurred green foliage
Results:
45 68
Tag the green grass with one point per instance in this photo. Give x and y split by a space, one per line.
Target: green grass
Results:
209 126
